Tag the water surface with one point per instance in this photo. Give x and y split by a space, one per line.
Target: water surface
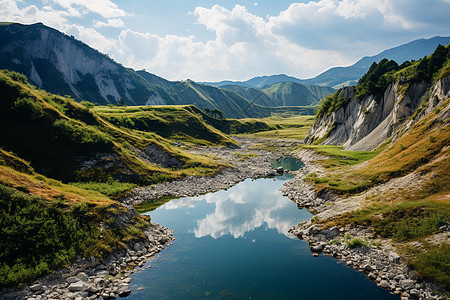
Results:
235 244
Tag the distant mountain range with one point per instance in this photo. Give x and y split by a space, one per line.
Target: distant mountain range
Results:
63 65
342 76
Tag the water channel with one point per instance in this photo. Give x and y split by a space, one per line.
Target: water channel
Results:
234 244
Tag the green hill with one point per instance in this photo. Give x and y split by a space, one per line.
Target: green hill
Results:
52 131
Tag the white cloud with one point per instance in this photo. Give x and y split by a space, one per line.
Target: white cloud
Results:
31 14
89 36
105 8
116 23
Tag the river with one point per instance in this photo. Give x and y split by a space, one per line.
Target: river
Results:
234 244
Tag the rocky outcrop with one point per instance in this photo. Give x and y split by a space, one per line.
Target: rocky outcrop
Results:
366 124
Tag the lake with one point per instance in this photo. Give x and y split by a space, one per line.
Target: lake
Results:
234 244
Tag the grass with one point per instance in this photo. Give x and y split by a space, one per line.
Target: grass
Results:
291 127
434 263
110 188
50 130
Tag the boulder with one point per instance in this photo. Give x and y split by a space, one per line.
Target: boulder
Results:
407 284
35 287
316 248
394 257
78 286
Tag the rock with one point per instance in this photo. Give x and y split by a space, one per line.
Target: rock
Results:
407 284
384 284
78 286
137 247
35 287
331 233
414 294
372 276
394 257
316 248
83 277
124 291
280 170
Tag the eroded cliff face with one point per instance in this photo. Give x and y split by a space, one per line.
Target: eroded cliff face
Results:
61 64
365 125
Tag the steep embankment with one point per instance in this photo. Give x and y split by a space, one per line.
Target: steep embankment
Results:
391 211
388 100
52 131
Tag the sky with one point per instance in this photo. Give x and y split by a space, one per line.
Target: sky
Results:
212 40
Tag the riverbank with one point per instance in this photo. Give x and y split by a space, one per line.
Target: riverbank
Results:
356 245
247 160
93 278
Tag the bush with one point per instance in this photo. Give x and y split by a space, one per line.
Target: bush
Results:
37 238
26 107
435 264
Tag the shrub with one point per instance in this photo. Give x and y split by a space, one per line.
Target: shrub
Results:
26 107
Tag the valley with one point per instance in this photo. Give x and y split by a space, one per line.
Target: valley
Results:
85 176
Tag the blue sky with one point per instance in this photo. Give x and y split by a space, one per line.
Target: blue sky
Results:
208 40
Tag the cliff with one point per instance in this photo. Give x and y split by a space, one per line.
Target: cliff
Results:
366 124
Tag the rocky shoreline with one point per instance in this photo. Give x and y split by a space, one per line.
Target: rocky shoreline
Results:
93 278
247 162
354 245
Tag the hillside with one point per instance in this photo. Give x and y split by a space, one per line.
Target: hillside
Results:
63 65
397 197
282 94
344 76
50 131
388 99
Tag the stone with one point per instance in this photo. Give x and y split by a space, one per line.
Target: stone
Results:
35 287
394 257
372 276
78 286
331 233
137 247
414 294
407 284
384 284
316 248
82 276
124 292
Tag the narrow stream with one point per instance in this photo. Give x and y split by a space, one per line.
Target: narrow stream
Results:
235 244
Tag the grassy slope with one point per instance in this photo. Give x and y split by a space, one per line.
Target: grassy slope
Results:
45 223
408 215
291 127
50 131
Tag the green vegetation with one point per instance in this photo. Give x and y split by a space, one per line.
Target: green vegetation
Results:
333 102
109 188
39 235
50 131
342 157
355 242
286 127
381 74
434 263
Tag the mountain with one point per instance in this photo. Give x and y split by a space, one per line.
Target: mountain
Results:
282 94
344 76
63 65
257 82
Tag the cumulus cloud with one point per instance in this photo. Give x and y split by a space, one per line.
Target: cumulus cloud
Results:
104 8
89 36
31 14
117 23
303 40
